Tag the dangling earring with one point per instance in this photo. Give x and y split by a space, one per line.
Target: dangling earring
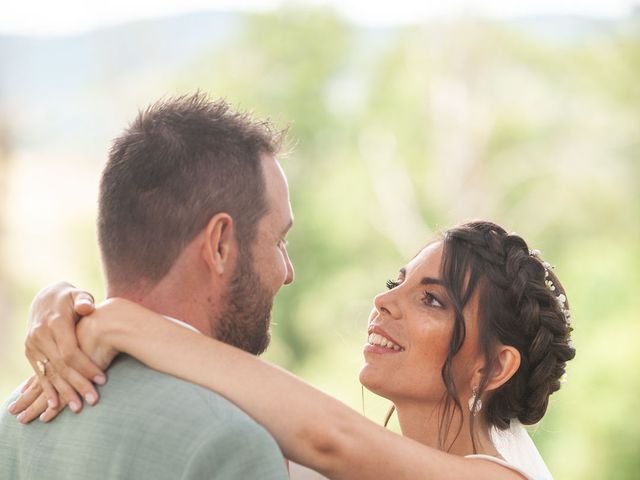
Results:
475 403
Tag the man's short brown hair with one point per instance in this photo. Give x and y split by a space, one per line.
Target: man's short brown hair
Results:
181 161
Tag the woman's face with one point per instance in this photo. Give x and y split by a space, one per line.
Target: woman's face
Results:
409 333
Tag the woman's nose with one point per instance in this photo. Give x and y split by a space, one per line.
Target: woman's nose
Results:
386 303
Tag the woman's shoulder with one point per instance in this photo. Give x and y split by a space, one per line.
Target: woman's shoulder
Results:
503 463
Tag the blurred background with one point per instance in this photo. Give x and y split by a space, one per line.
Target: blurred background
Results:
404 119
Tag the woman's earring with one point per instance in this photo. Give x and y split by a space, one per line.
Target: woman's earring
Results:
475 404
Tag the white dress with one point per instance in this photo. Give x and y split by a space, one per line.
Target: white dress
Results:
519 452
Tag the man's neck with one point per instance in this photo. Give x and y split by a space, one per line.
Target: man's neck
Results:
175 304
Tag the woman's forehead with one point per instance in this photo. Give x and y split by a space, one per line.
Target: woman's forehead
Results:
428 259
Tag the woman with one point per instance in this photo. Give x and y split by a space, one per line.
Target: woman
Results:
468 342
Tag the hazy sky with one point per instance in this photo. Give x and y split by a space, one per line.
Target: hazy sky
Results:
41 17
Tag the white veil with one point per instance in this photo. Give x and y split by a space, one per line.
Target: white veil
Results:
517 448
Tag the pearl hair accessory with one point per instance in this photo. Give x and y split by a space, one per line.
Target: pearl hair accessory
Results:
560 297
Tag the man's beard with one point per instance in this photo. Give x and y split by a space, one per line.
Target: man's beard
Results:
246 319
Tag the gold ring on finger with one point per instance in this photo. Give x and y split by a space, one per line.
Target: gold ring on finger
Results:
42 366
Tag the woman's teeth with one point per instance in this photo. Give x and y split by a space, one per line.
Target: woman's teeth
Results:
375 339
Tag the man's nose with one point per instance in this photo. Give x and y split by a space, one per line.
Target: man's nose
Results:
290 271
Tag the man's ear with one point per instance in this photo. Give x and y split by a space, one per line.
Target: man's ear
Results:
220 243
505 365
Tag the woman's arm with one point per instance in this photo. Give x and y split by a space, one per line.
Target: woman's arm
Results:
312 428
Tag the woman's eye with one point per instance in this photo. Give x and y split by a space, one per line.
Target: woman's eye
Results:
431 300
392 284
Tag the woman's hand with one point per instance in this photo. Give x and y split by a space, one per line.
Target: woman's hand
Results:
62 369
93 335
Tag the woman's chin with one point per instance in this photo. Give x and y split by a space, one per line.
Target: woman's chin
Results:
374 381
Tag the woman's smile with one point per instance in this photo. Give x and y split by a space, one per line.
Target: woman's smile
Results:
379 341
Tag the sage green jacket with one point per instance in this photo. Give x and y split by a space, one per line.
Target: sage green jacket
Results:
147 425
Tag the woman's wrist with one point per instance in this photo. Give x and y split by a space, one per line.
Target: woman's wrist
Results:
101 335
116 323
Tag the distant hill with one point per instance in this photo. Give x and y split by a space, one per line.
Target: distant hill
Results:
46 78
52 87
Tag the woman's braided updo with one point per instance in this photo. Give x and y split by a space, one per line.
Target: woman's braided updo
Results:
517 307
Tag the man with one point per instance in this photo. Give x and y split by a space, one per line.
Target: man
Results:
193 214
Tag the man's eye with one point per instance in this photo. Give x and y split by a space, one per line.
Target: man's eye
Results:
392 284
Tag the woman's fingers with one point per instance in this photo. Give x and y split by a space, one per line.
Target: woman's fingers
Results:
28 383
32 403
64 381
83 303
40 367
74 358
41 346
26 398
50 413
82 386
57 375
34 410
52 379
58 357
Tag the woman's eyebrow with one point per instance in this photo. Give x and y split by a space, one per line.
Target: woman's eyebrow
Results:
425 280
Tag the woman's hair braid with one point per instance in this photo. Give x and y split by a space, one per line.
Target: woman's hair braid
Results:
516 307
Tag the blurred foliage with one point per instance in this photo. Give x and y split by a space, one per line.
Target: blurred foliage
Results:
397 134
